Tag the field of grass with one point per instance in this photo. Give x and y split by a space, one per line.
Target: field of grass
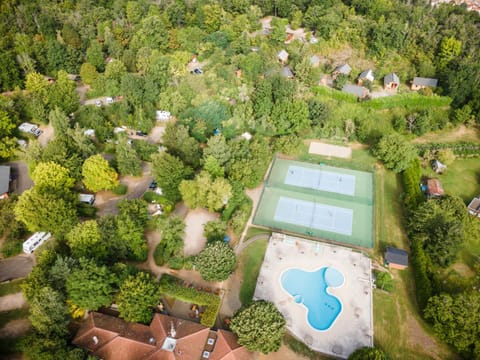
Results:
253 231
462 178
11 287
249 262
398 327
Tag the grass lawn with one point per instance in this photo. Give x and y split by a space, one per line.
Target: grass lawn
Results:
250 262
361 159
253 231
462 178
398 327
11 287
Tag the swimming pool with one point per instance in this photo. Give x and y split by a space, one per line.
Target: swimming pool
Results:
309 288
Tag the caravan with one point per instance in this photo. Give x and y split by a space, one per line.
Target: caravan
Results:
86 198
35 241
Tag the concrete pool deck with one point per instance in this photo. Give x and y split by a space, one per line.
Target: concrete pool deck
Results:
354 326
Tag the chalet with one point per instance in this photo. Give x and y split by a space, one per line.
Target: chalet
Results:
343 69
434 188
283 56
474 206
438 166
358 91
4 181
421 83
286 72
391 82
108 337
365 75
396 258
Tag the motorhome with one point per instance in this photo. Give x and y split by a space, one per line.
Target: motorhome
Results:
34 241
86 198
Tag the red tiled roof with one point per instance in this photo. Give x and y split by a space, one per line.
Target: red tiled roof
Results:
434 187
227 348
109 337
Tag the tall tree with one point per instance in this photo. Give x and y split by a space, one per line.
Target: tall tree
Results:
138 296
128 161
169 171
84 241
98 175
395 152
91 286
63 94
171 245
181 144
50 177
49 314
259 327
45 212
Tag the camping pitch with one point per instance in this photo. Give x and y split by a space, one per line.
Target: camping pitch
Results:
318 200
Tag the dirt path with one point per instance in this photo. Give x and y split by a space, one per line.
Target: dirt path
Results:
15 328
12 302
194 241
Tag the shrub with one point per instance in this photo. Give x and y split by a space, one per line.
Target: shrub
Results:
120 189
216 262
12 247
411 177
423 285
384 281
158 255
175 263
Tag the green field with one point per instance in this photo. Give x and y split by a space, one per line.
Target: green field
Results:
249 263
361 203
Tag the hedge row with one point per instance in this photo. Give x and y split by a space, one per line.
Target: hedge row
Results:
423 285
460 149
171 287
411 182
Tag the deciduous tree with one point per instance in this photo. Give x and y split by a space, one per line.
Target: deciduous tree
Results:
48 313
169 171
259 327
395 152
98 175
91 286
138 296
216 262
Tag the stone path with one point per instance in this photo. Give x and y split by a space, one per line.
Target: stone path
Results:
12 302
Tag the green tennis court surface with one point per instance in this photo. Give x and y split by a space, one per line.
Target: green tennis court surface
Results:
318 200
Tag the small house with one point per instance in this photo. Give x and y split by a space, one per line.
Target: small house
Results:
343 69
358 91
434 188
283 56
438 166
365 75
421 83
396 258
4 181
474 206
391 82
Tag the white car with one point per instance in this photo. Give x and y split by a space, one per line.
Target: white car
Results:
98 103
110 100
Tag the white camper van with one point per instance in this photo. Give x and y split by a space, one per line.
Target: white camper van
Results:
86 198
35 241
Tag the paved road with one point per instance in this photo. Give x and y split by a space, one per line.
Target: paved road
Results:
136 188
16 267
23 181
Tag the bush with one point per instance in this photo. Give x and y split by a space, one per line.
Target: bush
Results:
85 210
145 150
175 263
120 189
423 285
384 280
158 255
216 262
240 217
411 177
12 247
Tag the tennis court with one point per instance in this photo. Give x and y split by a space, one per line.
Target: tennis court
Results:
313 215
317 200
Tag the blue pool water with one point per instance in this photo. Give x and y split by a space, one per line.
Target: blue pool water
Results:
309 288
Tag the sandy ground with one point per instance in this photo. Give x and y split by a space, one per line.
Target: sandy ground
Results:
324 149
194 241
12 302
15 328
47 135
156 134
